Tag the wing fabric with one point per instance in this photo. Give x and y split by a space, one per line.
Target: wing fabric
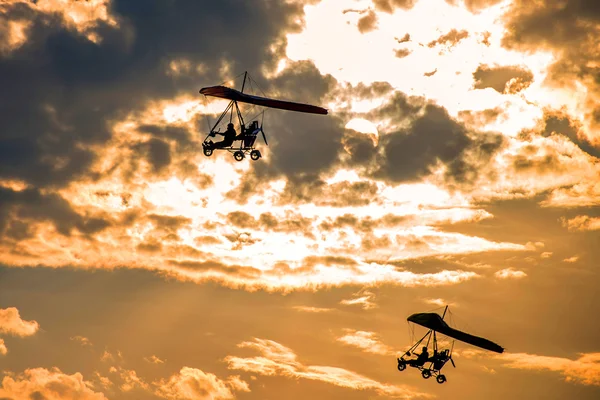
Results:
232 94
435 322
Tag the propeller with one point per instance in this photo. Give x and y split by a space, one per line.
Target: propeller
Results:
264 136
452 361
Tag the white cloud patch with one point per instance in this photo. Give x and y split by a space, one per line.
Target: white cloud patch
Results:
571 260
154 360
278 360
510 273
367 341
581 223
584 370
309 309
195 384
12 324
363 298
81 340
41 383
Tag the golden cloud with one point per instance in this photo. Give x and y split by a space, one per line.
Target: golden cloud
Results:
584 370
278 360
581 223
192 384
48 384
509 273
12 324
366 341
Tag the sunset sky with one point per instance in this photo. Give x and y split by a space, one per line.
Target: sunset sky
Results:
459 165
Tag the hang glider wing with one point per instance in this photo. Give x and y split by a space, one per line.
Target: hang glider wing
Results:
435 322
232 94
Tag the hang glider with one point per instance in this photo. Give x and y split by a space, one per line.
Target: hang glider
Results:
248 132
434 322
232 94
432 365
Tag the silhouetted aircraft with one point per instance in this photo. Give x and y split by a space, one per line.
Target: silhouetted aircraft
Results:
432 365
249 132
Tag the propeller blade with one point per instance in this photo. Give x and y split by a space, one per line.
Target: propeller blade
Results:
264 137
452 361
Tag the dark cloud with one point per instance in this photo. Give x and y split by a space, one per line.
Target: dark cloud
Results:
480 118
359 146
366 224
486 38
451 38
432 137
60 91
389 6
475 6
401 53
503 79
558 122
403 39
289 223
218 268
21 210
570 30
367 23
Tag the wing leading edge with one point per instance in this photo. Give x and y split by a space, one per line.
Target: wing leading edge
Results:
435 322
232 94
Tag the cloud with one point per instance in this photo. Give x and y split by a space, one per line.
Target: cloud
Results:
192 383
476 6
278 360
366 341
569 31
546 254
66 80
510 273
82 340
571 260
503 79
403 39
3 349
308 309
389 6
363 298
424 139
581 223
154 360
130 379
41 383
401 53
439 302
368 22
584 370
452 38
12 324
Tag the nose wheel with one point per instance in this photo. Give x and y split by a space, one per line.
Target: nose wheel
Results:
255 155
440 379
238 155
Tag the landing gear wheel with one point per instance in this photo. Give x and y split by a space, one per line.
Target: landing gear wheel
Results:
441 379
207 151
255 155
426 374
238 155
401 366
